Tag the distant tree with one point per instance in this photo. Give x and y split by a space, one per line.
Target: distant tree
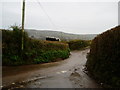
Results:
15 27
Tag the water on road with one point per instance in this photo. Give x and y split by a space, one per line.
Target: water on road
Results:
67 73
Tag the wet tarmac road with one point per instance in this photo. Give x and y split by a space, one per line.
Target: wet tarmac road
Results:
67 73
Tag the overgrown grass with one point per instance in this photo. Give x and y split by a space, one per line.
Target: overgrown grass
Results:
35 51
78 44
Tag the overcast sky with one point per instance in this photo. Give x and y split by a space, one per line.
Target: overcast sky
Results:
70 17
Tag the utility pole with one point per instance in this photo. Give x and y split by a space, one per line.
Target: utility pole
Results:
23 17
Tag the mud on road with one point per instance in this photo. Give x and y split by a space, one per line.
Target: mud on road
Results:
63 74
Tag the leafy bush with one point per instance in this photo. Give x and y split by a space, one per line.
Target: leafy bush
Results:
35 51
78 44
51 56
104 57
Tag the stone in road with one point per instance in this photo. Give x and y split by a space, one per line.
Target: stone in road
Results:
63 74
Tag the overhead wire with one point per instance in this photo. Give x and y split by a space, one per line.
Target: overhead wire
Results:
39 3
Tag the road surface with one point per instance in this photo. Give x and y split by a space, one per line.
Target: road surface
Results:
67 73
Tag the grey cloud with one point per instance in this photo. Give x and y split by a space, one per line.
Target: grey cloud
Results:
72 17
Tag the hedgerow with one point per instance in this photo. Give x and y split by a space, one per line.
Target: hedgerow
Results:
104 57
35 51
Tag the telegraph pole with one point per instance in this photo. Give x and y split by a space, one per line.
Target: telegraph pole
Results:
23 17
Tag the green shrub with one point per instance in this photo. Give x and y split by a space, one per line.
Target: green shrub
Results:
35 51
104 57
50 56
78 44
